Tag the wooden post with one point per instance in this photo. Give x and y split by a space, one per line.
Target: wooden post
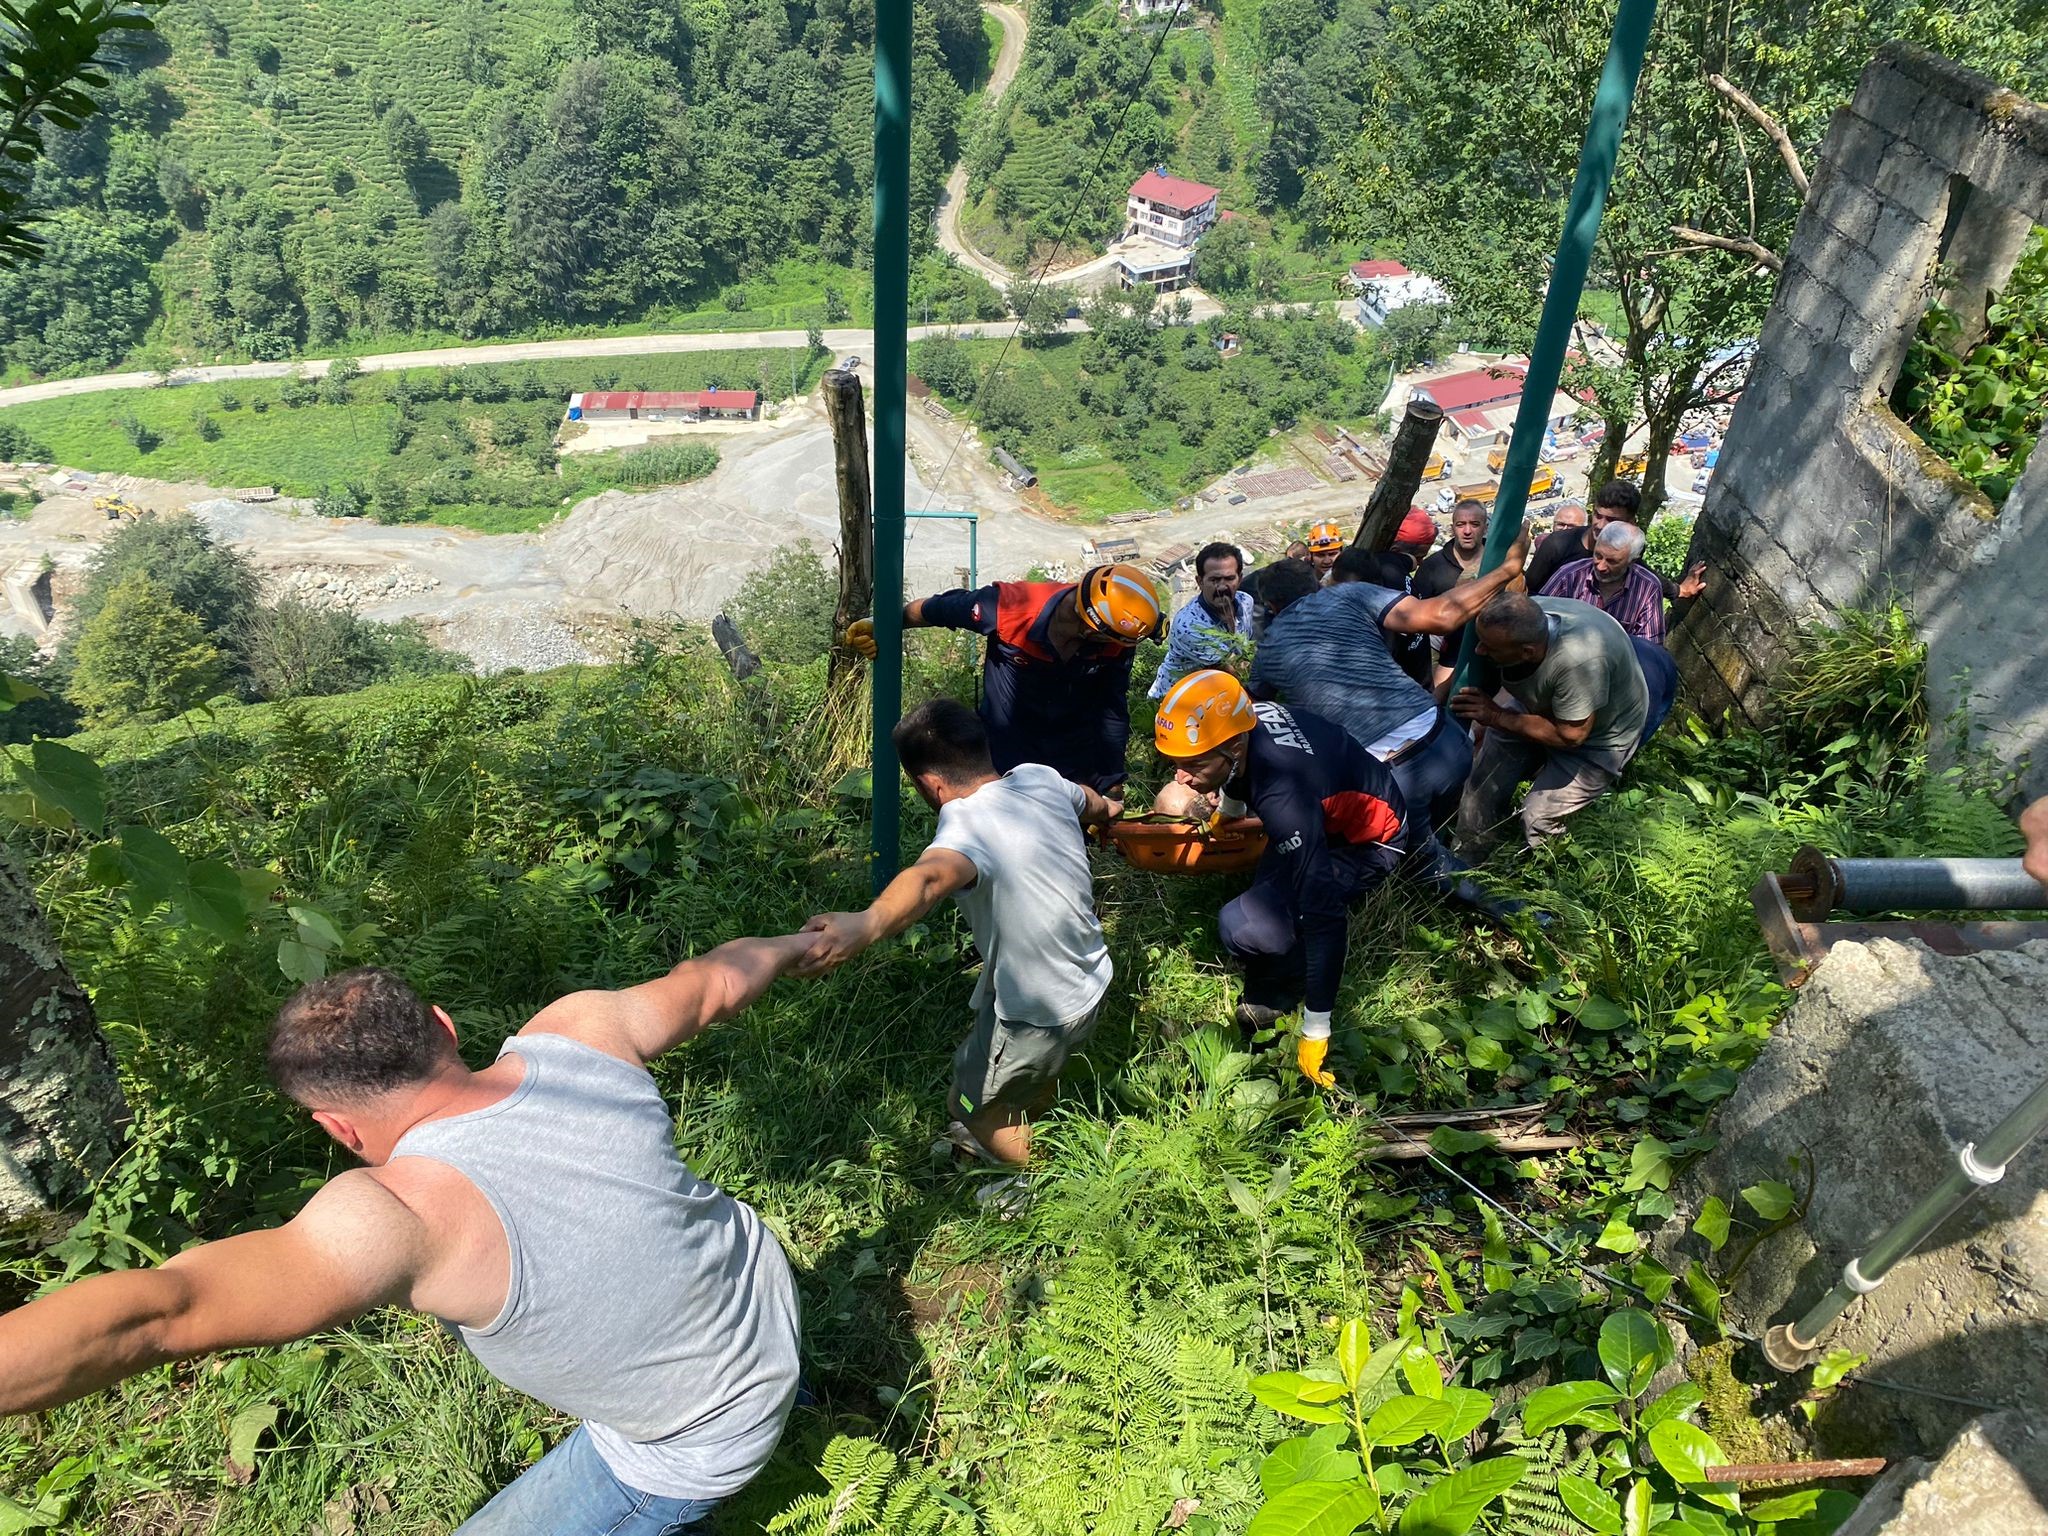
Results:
848 414
1391 498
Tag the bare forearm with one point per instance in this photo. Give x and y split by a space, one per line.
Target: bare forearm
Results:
904 901
1541 729
85 1337
742 969
913 614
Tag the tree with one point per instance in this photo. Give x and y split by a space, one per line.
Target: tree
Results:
1041 311
1223 258
1474 117
944 364
143 657
55 58
785 608
1412 335
296 650
206 579
405 139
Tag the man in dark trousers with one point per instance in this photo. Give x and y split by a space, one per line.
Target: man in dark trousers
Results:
1336 826
1056 678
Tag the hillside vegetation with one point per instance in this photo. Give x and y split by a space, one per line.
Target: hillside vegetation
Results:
472 446
1200 1217
1248 95
273 176
1135 415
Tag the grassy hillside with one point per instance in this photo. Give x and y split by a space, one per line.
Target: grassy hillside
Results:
468 446
1135 416
1246 96
1200 1215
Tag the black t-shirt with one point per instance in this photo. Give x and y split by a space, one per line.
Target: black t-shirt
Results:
1433 578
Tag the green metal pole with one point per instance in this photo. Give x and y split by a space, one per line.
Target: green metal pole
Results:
1567 282
892 320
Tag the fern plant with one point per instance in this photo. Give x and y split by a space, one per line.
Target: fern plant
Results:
868 1489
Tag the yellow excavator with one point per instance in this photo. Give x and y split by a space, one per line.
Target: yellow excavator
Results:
116 507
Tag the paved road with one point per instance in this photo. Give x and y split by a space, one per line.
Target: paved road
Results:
839 341
1008 57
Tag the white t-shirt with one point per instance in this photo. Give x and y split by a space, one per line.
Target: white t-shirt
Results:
1032 904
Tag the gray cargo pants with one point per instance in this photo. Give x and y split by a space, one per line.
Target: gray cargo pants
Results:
1562 784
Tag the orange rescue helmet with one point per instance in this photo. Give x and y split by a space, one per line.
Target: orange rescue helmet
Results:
1116 602
1200 713
1325 536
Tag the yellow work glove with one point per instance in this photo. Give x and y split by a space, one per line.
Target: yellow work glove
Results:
860 636
1313 1047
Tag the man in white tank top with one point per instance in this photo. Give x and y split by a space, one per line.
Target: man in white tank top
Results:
537 1206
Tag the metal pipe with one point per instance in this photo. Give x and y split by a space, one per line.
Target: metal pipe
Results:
1825 885
973 522
892 340
1567 282
1790 1346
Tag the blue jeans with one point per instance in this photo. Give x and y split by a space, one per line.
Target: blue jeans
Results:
571 1492
1432 778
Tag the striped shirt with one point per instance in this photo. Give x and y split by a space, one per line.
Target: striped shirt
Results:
1195 640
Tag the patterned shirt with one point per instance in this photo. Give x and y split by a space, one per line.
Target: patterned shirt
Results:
1638 607
1195 640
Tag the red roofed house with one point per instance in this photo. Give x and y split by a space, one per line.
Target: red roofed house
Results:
1475 387
1165 216
1363 272
666 405
1169 210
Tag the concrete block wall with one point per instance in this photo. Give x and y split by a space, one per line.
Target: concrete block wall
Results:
1822 499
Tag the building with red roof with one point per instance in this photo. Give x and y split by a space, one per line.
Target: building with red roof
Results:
1363 272
1169 210
1476 387
666 405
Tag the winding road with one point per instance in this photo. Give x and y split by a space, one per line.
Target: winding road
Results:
1008 57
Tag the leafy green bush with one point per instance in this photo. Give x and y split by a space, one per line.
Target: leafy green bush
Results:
1983 411
142 657
1665 546
667 464
784 608
140 434
17 446
295 650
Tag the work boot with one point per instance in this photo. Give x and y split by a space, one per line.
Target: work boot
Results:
1252 1018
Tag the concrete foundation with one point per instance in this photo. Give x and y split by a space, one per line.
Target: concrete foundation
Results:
1822 500
1892 1059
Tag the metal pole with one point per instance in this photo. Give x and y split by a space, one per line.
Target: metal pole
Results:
1567 282
1789 1346
892 320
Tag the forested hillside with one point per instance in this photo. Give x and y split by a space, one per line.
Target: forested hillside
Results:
1250 97
282 176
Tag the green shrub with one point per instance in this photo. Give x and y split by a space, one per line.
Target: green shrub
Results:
785 607
207 428
667 464
140 434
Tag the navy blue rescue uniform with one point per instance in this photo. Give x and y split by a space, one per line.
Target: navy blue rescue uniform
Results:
1071 714
1336 826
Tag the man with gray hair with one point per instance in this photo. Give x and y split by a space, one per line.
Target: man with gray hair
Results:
1616 582
1562 702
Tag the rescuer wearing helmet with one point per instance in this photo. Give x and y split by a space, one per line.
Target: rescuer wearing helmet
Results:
1056 677
1325 544
1336 826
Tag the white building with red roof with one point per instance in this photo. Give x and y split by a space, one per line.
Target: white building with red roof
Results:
684 405
1169 210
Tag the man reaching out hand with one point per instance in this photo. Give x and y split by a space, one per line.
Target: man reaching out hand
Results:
538 1207
1011 850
